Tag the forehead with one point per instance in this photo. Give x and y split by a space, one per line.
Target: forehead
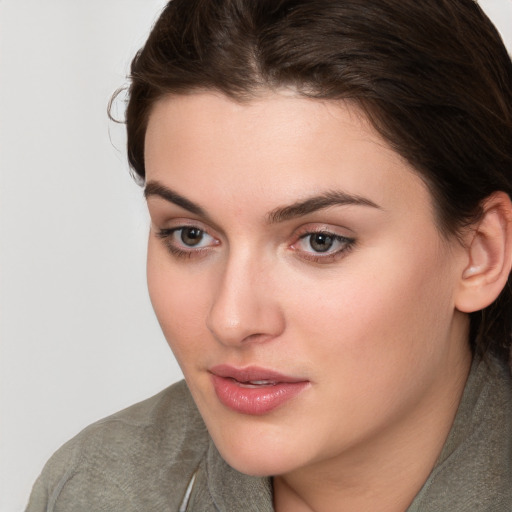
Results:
277 116
275 149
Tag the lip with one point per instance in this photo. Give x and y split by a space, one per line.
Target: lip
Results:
253 390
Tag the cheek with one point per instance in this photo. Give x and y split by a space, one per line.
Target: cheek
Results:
180 303
386 316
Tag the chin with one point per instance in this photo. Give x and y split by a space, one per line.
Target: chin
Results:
256 466
252 456
255 445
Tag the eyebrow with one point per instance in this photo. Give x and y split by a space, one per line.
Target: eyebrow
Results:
281 214
319 202
154 188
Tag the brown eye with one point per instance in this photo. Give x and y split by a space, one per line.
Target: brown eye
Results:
187 241
321 242
322 246
191 236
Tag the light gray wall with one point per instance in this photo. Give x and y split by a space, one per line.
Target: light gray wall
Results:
78 337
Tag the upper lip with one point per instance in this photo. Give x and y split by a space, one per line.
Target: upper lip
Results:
252 373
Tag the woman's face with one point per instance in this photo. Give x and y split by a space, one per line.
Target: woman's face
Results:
299 277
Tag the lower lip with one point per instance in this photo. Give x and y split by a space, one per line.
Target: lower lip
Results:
256 400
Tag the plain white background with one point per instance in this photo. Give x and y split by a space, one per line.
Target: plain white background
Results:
78 338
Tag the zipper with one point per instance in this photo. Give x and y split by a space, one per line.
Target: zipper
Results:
188 493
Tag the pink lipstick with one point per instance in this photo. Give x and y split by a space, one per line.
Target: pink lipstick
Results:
253 390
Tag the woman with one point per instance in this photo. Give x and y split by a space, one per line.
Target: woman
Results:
330 247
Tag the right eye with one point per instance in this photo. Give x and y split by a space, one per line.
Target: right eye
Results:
187 240
191 237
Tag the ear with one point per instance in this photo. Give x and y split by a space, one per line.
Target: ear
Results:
489 250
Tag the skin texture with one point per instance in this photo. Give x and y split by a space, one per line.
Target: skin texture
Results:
372 324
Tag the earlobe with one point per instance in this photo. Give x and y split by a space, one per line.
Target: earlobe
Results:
489 250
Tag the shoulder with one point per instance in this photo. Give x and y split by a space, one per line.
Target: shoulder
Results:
135 459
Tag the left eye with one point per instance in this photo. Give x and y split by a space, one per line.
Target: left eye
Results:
323 243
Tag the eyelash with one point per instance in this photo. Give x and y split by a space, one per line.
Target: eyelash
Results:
167 235
329 256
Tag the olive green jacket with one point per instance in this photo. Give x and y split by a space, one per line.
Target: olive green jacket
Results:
157 456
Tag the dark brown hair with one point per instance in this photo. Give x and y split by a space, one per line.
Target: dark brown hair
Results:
433 76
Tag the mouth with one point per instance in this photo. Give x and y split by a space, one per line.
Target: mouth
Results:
255 384
253 390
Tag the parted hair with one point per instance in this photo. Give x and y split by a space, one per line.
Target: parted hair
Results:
432 76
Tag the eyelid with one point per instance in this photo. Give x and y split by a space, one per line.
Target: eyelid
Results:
166 221
175 223
324 228
164 213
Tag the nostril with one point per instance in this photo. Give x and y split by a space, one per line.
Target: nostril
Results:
255 338
254 326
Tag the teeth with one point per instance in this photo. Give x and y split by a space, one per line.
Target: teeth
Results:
257 383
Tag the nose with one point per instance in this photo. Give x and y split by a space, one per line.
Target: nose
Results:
245 307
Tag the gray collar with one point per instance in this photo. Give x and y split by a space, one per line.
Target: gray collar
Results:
474 469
